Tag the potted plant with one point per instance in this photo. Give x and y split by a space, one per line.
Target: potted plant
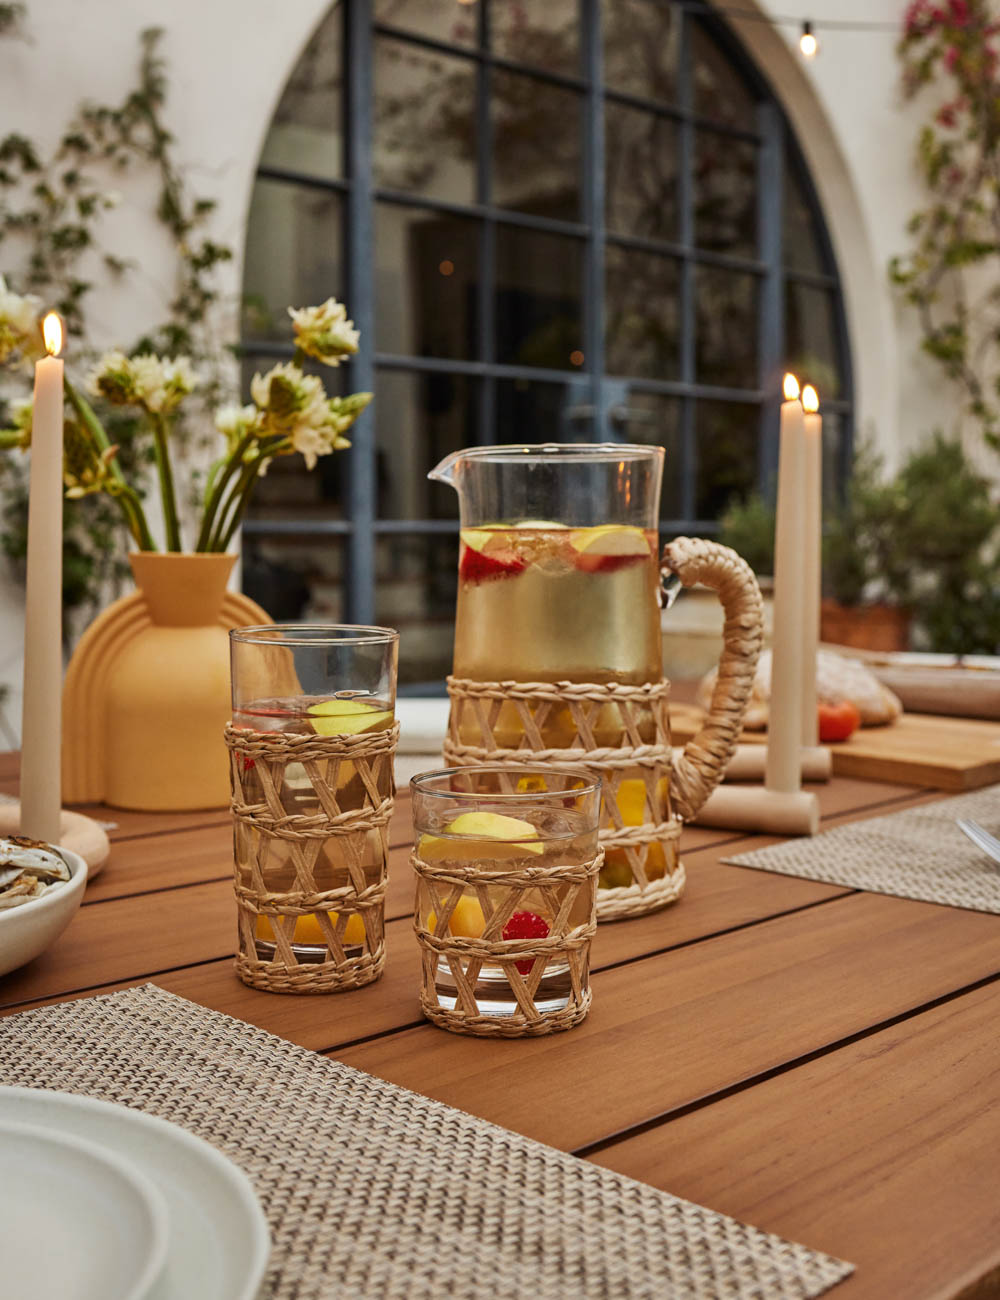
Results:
915 554
147 690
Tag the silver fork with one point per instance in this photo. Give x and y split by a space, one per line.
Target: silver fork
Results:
982 839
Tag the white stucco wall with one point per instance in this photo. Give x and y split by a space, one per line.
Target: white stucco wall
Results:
858 137
228 61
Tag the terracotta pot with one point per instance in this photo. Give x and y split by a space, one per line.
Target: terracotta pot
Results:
147 690
865 627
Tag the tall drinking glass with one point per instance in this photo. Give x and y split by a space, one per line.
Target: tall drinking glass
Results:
312 741
506 861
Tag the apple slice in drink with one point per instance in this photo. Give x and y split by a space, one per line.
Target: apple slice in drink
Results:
348 717
608 547
487 554
481 835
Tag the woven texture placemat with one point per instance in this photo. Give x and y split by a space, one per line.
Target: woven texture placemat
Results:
373 1191
919 853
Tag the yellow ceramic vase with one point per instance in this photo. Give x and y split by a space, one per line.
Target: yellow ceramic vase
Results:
147 690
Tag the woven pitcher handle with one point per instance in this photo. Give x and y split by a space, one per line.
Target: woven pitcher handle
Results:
700 767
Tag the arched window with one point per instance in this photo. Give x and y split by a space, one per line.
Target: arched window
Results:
577 220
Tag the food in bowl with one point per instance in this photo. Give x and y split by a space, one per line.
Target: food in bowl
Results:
28 869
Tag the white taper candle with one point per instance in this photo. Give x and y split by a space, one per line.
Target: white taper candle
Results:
41 729
812 497
784 728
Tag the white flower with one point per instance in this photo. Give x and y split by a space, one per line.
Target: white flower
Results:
156 383
287 398
235 422
149 381
18 321
161 383
311 442
112 378
324 332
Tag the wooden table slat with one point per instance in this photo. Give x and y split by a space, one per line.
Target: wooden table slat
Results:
813 1060
883 1153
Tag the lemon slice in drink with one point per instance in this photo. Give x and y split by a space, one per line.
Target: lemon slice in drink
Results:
482 835
348 717
309 932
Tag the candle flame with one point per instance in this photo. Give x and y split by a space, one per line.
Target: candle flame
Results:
52 333
810 399
790 387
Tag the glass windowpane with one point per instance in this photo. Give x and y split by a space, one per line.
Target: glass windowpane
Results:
641 45
546 35
726 328
294 255
539 313
296 579
725 194
537 166
800 242
307 133
424 123
416 586
641 172
532 411
727 434
653 419
443 20
419 419
426 282
720 91
811 337
643 314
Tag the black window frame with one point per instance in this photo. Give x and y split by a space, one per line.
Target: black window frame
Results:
777 148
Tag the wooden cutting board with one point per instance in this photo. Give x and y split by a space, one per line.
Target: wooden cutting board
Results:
918 748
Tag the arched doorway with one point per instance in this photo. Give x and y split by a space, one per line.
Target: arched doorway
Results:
581 220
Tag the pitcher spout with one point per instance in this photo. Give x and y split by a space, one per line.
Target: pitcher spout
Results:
445 471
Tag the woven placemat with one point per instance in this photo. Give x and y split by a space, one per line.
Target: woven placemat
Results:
919 853
373 1191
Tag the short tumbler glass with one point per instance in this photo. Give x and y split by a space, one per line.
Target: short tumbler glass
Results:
506 861
312 680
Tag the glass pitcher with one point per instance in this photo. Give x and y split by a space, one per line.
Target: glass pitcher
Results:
560 582
559 575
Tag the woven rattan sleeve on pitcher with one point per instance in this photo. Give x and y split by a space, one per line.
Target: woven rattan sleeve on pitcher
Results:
699 769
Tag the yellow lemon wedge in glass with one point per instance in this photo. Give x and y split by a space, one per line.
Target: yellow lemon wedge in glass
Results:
307 930
348 717
482 835
467 918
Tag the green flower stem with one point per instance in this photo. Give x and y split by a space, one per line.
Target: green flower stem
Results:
231 515
218 490
135 517
93 426
129 500
235 505
166 475
213 474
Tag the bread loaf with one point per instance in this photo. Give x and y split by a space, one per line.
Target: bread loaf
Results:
837 679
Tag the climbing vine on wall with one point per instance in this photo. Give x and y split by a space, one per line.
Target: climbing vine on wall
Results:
951 275
51 212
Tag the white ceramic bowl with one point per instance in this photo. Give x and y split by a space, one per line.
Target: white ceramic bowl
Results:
27 930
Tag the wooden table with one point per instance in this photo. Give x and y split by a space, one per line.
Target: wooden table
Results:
819 1062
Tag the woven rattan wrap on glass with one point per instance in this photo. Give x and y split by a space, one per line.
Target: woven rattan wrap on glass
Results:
500 892
674 785
265 821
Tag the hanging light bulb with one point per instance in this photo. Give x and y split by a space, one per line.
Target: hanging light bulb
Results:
808 43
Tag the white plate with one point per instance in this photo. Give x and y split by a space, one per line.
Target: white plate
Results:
75 1221
219 1239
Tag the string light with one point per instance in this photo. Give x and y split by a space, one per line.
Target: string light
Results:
807 41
